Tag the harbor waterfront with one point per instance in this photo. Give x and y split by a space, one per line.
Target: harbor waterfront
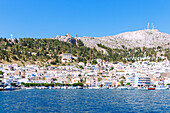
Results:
85 100
137 75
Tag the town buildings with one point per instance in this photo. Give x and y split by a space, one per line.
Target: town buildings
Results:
137 74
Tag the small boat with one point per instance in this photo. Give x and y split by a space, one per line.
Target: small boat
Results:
29 88
2 88
112 87
122 88
9 88
79 87
58 87
93 87
70 87
151 88
63 87
130 88
142 88
161 88
42 87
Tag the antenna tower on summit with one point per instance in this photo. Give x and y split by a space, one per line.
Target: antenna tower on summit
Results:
152 26
148 26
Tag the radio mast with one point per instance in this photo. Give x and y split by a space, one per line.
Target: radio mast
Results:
152 26
148 26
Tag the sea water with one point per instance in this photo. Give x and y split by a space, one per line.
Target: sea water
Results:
84 100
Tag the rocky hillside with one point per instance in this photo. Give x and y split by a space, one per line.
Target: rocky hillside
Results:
143 38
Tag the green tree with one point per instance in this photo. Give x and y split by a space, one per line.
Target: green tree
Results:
77 84
128 83
121 82
94 62
1 73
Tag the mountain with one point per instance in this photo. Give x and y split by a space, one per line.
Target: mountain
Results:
148 38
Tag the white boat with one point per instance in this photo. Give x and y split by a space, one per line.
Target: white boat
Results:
29 88
161 88
9 88
142 88
1 88
42 87
58 87
49 87
130 88
63 87
122 88
79 87
70 87
112 88
94 88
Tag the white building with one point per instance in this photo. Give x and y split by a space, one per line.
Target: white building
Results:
66 58
142 81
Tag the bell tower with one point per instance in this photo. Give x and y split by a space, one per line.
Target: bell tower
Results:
11 37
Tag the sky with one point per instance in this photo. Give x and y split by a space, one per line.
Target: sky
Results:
95 18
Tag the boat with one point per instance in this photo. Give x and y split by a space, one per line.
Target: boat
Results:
161 88
151 88
63 87
2 88
112 88
142 88
70 87
122 88
9 88
94 88
42 87
29 88
130 88
49 87
79 87
58 87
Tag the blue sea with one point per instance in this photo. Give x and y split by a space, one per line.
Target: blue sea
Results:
84 100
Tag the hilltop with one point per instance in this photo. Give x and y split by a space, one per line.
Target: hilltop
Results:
148 38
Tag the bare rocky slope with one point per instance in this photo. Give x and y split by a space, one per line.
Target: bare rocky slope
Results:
143 38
